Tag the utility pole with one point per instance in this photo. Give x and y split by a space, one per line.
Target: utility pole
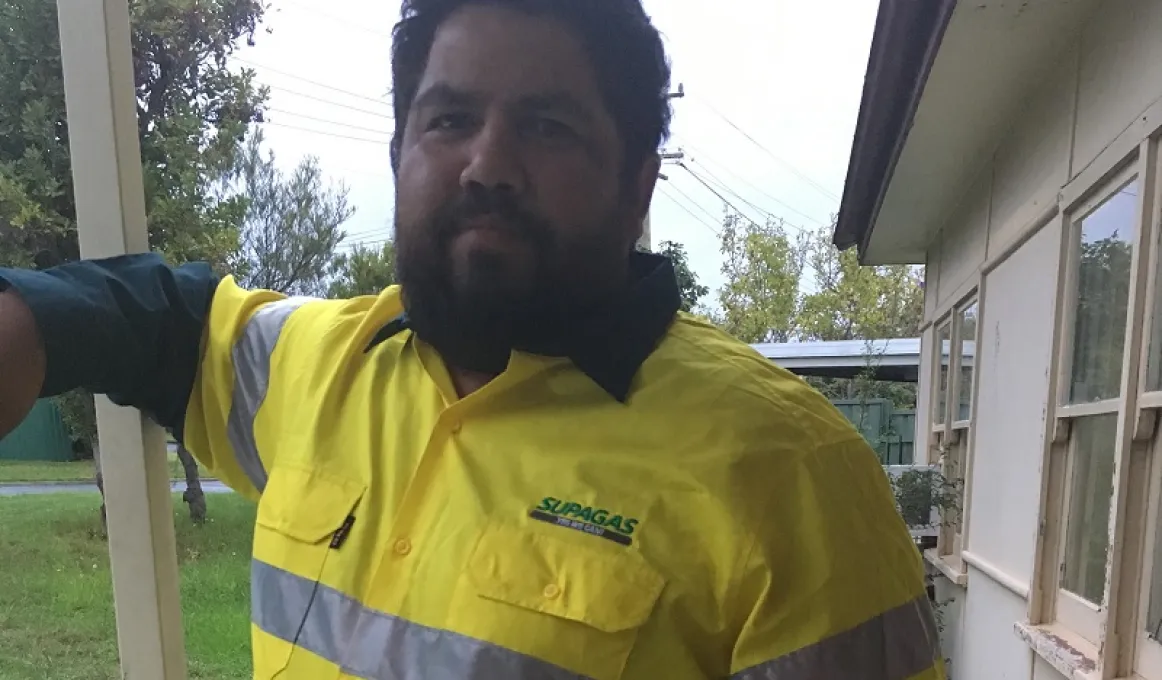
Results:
644 243
675 156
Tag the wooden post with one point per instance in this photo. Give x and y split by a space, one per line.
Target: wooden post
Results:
110 199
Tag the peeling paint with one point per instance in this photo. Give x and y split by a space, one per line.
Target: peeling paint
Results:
1060 654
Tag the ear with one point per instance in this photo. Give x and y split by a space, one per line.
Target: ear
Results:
641 194
644 185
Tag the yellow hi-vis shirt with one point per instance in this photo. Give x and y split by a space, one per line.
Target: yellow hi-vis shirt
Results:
723 521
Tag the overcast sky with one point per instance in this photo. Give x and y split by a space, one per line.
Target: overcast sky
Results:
772 93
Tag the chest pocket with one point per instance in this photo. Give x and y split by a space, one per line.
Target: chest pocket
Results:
576 606
300 513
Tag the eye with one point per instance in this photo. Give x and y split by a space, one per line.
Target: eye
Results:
551 129
449 122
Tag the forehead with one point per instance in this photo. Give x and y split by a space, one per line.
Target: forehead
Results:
503 53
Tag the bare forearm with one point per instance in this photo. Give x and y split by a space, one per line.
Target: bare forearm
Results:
22 361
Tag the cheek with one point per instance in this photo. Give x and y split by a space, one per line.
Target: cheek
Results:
422 184
574 195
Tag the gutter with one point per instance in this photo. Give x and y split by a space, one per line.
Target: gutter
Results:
906 40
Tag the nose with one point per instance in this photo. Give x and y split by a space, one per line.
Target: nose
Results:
494 163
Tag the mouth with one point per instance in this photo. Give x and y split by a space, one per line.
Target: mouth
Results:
490 230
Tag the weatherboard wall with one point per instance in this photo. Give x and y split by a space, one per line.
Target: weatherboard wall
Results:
1000 236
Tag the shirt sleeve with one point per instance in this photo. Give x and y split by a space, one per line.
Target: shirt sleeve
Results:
834 587
189 349
129 327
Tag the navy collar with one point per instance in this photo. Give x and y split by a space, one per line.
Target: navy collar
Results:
611 346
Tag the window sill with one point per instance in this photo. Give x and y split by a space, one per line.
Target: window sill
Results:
950 565
1071 656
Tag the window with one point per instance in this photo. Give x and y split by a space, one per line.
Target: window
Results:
1099 270
1148 619
1083 570
952 420
943 356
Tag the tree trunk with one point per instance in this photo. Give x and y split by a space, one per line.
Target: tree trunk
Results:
101 488
193 496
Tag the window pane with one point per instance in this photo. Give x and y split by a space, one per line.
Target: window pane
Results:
1154 353
944 342
1091 488
1103 294
1154 610
967 322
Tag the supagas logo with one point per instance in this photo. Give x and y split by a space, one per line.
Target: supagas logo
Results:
591 520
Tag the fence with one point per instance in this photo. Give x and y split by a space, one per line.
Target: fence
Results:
891 433
41 436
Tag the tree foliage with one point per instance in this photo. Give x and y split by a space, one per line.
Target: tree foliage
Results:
292 223
849 301
192 112
1103 298
759 300
691 291
782 287
363 271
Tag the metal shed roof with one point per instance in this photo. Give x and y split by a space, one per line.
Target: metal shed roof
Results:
895 359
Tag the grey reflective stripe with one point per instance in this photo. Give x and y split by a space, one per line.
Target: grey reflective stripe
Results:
251 358
373 645
895 645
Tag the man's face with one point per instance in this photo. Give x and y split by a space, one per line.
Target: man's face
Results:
509 193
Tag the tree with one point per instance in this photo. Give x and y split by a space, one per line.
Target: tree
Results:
780 288
760 298
291 225
192 112
692 293
363 271
851 301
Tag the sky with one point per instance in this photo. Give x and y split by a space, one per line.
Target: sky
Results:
772 90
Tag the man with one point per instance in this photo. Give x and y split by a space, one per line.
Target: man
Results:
523 463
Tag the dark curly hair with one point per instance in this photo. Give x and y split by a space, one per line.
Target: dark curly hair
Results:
625 49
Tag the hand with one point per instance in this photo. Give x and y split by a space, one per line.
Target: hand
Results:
22 361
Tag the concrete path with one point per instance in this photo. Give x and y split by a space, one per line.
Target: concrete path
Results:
91 487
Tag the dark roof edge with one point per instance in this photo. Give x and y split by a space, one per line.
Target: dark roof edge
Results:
904 45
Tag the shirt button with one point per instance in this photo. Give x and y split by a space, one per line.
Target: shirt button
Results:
552 591
457 426
403 547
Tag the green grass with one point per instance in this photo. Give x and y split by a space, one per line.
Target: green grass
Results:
73 471
56 596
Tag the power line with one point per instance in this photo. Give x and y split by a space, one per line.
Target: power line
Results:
715 219
332 102
331 122
316 83
688 211
725 187
726 200
752 185
328 134
770 153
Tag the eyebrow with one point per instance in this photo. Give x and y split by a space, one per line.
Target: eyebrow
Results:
558 101
445 95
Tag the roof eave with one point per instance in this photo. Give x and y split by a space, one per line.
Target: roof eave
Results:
905 43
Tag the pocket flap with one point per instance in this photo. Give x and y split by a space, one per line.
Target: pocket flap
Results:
608 590
307 504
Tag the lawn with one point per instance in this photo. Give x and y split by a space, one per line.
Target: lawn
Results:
56 596
73 471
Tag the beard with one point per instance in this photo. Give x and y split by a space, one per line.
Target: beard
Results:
476 307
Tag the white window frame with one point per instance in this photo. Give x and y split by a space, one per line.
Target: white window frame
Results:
950 436
1144 492
1113 625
